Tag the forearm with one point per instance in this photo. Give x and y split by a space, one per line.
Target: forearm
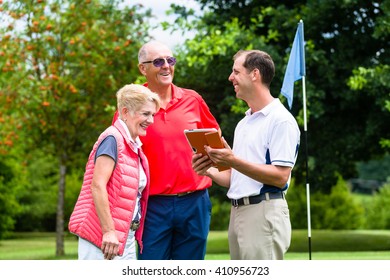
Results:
221 178
100 198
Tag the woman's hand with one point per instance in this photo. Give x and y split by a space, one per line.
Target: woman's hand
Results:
110 245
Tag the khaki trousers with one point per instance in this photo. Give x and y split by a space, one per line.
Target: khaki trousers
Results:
260 231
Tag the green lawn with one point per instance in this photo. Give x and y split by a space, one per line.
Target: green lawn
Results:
326 245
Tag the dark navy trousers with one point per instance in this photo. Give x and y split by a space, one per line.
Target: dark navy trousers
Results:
176 227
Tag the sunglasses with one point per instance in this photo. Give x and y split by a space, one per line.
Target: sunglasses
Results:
158 62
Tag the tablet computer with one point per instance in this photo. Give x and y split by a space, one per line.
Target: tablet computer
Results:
198 138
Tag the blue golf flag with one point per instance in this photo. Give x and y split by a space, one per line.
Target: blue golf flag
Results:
296 65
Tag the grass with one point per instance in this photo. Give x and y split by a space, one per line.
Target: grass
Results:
35 246
342 241
326 245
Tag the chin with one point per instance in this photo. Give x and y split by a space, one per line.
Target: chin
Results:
142 133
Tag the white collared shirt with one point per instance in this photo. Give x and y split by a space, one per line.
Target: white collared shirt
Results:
273 131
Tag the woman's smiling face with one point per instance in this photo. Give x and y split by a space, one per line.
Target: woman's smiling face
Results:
139 121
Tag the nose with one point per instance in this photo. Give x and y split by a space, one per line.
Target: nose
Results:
150 119
165 63
230 78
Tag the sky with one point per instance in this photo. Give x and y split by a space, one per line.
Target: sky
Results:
159 7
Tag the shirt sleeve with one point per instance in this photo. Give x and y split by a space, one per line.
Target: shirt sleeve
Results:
107 147
208 120
284 145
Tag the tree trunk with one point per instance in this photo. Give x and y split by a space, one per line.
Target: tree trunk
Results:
60 209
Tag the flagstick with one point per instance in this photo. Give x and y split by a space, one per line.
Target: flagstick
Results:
297 55
307 168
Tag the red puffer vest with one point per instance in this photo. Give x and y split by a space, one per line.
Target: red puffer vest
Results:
122 189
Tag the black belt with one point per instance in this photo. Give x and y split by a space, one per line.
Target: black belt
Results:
256 198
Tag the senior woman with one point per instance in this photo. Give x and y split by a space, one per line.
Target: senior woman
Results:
108 215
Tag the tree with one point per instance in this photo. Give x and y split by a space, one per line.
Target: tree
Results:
62 63
344 126
376 79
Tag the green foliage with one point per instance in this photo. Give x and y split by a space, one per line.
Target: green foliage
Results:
8 205
378 211
220 214
296 198
374 81
11 175
61 64
33 196
341 210
74 181
337 210
375 169
340 36
38 195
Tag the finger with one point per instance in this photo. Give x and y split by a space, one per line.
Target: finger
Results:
196 157
109 254
202 165
105 251
225 143
206 165
200 160
106 256
103 248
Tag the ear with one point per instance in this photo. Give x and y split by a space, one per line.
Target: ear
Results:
124 112
255 74
142 69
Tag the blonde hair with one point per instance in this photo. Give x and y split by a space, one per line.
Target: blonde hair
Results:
134 96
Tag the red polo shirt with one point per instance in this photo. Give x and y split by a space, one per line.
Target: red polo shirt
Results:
166 147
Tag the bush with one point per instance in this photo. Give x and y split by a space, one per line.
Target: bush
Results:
378 211
38 196
296 198
74 181
337 210
9 206
220 214
342 212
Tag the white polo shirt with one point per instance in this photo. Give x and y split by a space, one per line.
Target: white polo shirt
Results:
269 136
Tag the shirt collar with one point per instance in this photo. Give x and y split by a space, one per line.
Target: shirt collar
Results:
266 110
